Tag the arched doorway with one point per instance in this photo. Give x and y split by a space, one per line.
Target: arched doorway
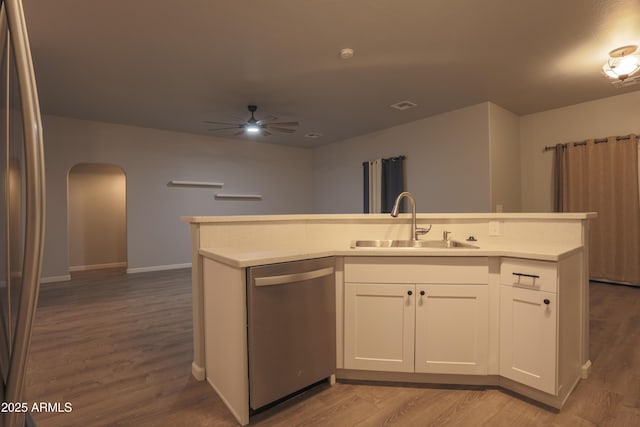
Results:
97 219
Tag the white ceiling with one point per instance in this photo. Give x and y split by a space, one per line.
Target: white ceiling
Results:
173 64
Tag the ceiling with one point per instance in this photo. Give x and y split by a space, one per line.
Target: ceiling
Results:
174 64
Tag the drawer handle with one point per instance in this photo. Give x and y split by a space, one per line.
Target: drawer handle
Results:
546 301
409 293
535 276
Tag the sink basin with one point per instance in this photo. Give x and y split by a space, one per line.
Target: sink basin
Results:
438 244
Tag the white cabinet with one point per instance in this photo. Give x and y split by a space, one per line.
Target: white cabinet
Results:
528 336
511 320
379 327
452 329
540 323
413 324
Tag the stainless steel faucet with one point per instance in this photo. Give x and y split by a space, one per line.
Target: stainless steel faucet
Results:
415 232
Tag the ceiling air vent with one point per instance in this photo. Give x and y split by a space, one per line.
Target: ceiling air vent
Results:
403 105
629 81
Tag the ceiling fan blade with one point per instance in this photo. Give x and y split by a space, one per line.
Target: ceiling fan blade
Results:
266 132
278 129
224 123
235 127
283 124
240 132
268 119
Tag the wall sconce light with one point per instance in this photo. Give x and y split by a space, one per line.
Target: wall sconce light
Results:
622 63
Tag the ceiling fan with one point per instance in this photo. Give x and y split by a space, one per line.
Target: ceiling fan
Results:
253 126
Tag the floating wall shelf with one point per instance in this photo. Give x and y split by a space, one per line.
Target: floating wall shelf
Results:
195 183
221 196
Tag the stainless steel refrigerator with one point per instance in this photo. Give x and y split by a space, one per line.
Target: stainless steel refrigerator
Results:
22 218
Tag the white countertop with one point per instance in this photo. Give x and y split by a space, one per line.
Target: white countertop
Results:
387 217
245 257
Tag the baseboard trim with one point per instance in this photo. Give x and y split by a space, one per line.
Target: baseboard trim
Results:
158 268
53 279
67 277
614 282
197 371
73 269
586 370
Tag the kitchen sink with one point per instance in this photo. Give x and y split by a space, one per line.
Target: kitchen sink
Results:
437 244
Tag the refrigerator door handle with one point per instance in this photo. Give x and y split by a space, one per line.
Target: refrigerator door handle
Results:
35 205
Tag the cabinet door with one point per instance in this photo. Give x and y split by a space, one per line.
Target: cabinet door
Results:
528 334
452 329
379 327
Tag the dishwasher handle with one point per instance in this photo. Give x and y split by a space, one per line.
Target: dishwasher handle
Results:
295 277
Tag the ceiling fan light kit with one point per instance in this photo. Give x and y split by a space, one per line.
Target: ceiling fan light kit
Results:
254 127
622 63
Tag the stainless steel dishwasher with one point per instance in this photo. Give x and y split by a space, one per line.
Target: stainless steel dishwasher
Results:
291 327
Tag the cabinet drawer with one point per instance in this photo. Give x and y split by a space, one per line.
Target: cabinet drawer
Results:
450 270
530 274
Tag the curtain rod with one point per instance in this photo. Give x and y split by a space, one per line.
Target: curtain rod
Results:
389 158
596 141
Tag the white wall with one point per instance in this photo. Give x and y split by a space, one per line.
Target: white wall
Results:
460 161
504 137
447 163
150 159
618 115
97 216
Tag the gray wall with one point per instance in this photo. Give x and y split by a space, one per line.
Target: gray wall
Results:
447 164
461 161
150 159
504 131
617 115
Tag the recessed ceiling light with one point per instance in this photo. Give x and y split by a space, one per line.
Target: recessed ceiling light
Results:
403 105
312 135
346 53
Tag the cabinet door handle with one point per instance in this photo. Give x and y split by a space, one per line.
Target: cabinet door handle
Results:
535 276
409 293
546 301
421 292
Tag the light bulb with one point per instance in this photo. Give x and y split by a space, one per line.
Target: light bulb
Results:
627 65
621 68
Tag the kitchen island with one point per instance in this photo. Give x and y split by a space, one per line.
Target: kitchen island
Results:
512 312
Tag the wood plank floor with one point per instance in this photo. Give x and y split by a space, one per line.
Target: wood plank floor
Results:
119 349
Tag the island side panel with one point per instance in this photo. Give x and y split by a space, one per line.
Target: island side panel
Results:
339 269
570 274
197 302
585 302
225 331
494 316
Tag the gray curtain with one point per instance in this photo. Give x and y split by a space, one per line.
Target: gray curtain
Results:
558 173
392 182
365 176
391 185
